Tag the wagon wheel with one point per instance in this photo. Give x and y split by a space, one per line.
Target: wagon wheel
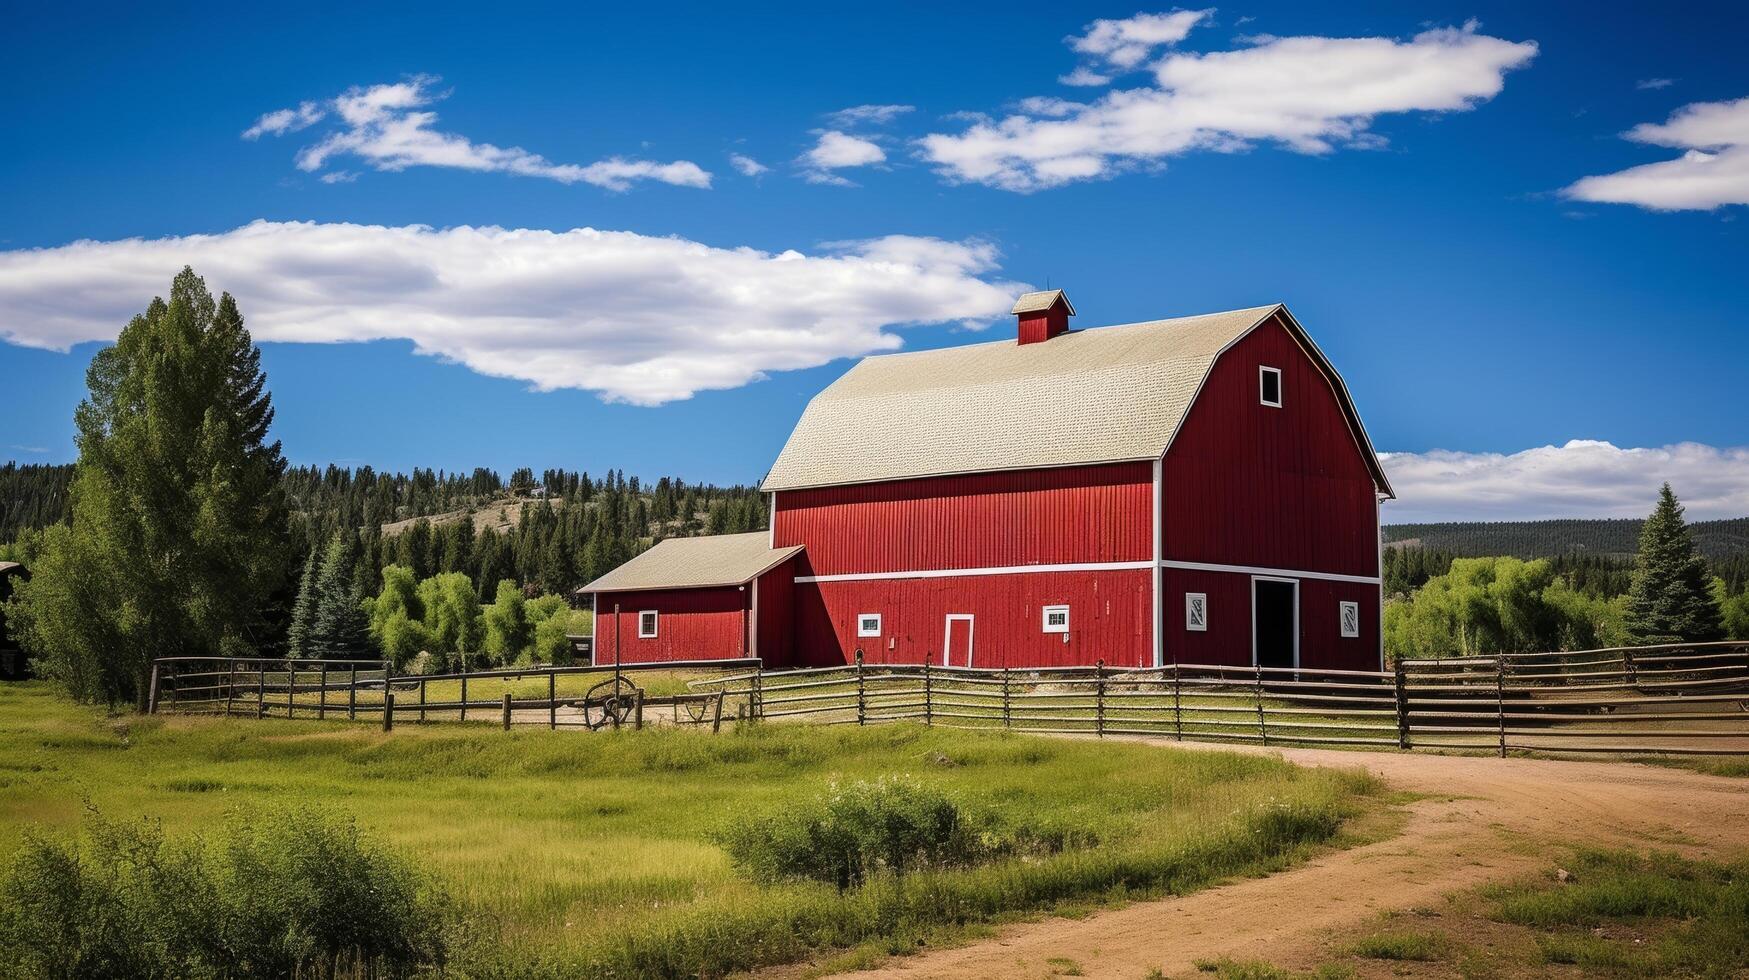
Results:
609 703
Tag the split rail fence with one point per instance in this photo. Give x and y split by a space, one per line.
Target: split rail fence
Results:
1688 699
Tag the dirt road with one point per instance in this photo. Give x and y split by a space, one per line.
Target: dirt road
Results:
1486 819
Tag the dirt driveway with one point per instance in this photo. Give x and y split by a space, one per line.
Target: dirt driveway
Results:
1485 819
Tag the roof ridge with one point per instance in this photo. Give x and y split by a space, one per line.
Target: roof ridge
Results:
1071 333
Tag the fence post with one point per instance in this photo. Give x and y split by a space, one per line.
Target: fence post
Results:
552 701
638 710
152 692
464 688
1400 681
421 700
928 699
861 699
352 693
388 711
756 704
1007 700
1099 698
1262 729
230 687
260 689
506 710
1500 698
322 705
1628 667
1177 703
717 715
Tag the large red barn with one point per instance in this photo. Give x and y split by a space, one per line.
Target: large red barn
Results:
1194 490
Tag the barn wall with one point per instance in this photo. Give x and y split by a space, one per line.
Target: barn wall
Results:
693 624
1030 517
1247 484
1227 640
776 620
1109 618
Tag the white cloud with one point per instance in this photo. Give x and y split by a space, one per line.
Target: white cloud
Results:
1584 478
746 165
867 115
1712 173
338 177
1128 42
1307 94
636 318
285 121
835 151
1084 77
1653 84
382 126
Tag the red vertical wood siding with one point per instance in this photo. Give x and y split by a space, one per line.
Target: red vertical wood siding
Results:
1247 484
776 617
1025 517
1227 641
1109 619
691 624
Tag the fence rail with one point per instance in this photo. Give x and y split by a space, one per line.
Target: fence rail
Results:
1687 699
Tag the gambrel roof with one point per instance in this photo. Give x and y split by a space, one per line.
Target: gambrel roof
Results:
1105 395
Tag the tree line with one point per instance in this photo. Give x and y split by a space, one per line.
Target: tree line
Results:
1545 539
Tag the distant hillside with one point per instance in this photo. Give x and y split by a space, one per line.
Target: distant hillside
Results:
1541 539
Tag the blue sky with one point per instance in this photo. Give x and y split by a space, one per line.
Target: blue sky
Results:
1418 203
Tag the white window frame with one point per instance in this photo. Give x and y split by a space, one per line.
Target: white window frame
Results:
1045 619
1191 599
862 629
1263 370
655 623
1343 609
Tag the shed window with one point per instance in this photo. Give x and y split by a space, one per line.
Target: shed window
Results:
1196 611
1350 617
868 624
1269 386
647 624
1056 619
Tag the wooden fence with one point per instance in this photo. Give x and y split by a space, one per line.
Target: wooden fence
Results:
1673 699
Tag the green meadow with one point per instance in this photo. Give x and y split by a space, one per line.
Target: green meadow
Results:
570 853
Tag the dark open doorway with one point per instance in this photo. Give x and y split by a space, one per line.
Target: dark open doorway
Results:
1275 622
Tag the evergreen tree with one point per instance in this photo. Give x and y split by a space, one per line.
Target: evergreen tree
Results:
340 628
303 611
179 537
1671 599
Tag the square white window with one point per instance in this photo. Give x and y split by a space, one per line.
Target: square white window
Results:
1056 619
1196 611
647 624
868 624
1269 386
1350 616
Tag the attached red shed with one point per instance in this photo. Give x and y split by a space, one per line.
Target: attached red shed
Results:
711 598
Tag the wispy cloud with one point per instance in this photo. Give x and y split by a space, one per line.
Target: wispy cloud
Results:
637 318
746 166
1084 77
1306 94
866 115
390 128
1583 478
834 151
1653 84
1126 43
1713 172
33 450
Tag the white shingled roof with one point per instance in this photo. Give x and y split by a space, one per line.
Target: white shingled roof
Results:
694 563
1109 394
1041 301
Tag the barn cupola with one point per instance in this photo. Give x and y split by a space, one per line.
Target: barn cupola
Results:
1043 315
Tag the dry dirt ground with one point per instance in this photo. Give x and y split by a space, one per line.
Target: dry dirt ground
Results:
1482 820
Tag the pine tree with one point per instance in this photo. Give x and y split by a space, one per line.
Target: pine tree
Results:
339 629
1671 599
303 611
179 540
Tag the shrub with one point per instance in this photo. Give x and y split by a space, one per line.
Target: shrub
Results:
294 892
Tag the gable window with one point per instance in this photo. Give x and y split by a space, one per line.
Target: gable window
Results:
868 624
1056 619
1269 386
647 624
1196 611
1350 617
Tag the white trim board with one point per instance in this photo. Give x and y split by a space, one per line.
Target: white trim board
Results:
1197 566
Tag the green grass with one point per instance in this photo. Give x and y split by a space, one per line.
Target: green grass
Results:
1413 946
592 854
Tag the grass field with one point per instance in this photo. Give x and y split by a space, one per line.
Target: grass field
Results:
592 854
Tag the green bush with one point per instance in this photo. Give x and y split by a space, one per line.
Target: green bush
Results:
295 892
893 825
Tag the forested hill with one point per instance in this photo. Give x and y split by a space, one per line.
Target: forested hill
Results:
1542 539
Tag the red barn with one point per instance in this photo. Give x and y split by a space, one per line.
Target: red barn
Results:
1194 490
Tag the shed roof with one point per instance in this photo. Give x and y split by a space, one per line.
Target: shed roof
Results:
7 566
1041 301
1105 395
696 563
